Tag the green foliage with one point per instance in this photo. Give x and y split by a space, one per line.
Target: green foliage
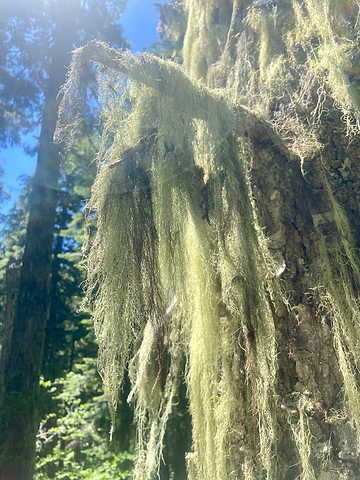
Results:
167 48
12 240
67 336
22 69
65 333
73 443
36 40
73 440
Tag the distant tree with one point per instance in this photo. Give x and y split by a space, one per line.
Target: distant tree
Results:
60 26
227 206
13 232
171 29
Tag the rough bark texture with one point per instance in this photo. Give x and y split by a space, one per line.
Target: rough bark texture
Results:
291 207
19 415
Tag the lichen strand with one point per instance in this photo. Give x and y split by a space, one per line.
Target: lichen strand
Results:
303 437
186 244
339 277
179 265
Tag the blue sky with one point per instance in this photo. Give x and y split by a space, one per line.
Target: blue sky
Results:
139 23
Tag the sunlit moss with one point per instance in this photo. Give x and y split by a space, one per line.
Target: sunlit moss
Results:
187 243
303 438
329 60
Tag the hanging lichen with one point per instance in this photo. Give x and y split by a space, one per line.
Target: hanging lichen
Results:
179 266
339 277
302 435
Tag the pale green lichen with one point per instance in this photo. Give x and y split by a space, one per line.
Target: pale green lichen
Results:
303 438
174 249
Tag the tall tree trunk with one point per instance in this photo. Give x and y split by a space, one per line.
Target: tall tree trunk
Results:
13 272
19 415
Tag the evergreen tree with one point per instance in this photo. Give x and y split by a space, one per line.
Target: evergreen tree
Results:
63 25
72 408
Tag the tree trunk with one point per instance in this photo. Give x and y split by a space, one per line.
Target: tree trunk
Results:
13 272
19 415
317 430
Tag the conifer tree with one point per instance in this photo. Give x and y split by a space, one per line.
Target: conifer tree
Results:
66 24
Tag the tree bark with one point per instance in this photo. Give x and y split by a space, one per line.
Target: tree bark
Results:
13 272
293 208
19 415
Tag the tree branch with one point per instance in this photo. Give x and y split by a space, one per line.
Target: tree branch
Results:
169 79
163 76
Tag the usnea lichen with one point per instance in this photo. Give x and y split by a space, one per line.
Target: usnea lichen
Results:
179 266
